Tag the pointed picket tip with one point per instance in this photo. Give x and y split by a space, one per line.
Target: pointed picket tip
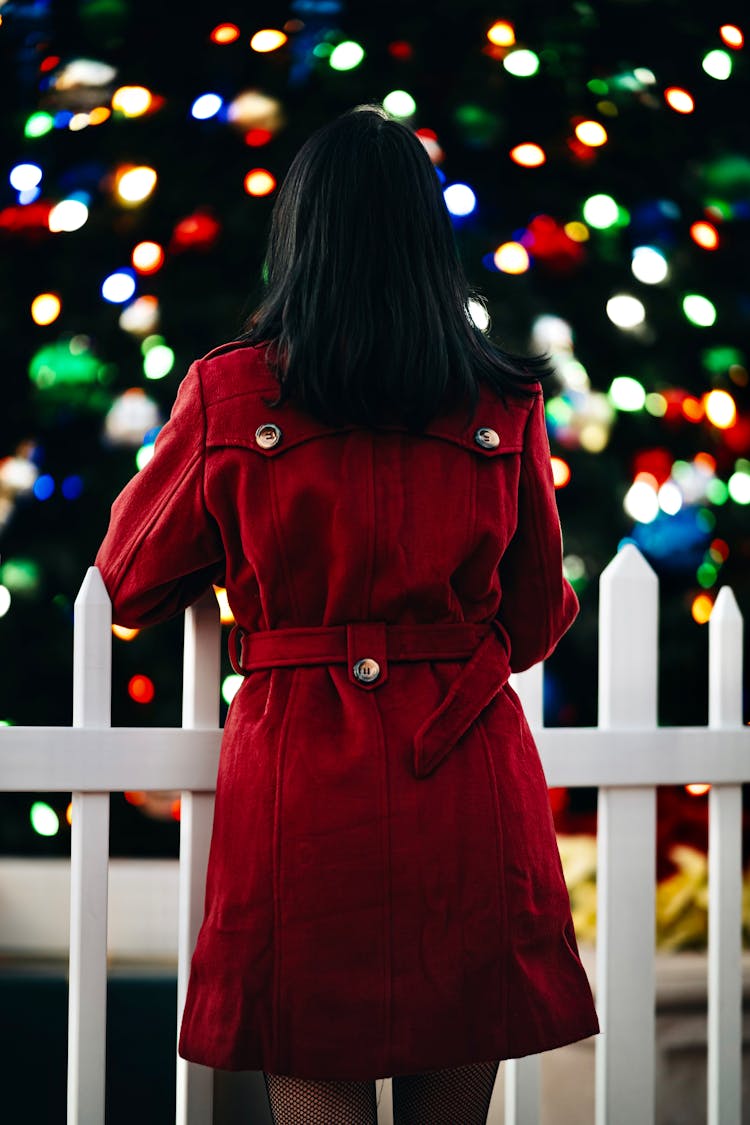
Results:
630 564
207 601
92 591
725 607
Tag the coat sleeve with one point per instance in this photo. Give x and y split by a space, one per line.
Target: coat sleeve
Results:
162 548
538 604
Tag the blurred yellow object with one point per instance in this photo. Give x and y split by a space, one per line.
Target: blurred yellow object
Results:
681 898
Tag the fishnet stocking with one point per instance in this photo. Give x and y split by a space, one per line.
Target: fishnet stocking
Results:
434 1097
305 1101
445 1097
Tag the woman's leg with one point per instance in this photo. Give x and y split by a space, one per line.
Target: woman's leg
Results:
445 1097
304 1101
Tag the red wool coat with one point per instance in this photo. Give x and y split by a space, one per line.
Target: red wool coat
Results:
384 891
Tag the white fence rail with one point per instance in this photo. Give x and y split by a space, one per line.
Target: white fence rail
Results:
625 757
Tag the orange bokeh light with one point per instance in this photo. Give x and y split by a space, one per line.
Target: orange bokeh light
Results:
147 257
528 155
705 234
560 472
141 689
259 181
679 100
225 33
701 608
731 35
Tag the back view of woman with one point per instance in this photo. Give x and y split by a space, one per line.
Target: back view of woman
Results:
369 477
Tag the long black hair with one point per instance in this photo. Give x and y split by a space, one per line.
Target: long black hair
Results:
365 307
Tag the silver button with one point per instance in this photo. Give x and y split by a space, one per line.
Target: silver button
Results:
268 435
367 670
487 438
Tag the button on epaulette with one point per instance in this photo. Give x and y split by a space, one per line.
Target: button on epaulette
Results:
268 435
487 438
367 670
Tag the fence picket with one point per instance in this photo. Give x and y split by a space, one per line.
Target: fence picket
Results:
200 711
523 1076
89 863
724 1085
626 850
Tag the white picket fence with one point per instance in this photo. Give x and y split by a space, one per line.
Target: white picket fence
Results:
626 756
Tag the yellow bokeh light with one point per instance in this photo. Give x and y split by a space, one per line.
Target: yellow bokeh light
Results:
680 100
577 232
225 33
502 34
731 35
560 472
720 408
705 234
132 100
258 181
701 608
134 184
528 155
697 788
269 39
227 617
99 114
591 133
45 308
78 121
123 633
511 257
147 257
69 812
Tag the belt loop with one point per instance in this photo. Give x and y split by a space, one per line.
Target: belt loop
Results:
366 654
234 641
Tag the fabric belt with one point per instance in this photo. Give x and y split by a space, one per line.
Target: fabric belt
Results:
485 647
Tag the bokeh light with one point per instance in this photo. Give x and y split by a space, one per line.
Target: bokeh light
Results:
207 105
132 101
601 211
135 184
521 63
118 287
625 311
649 265
346 56
502 34
459 199
25 177
720 409
701 608
717 64
732 35
38 123
699 310
141 688
225 33
512 257
147 257
44 819
68 215
679 100
560 472
123 633
269 39
230 685
528 155
705 235
591 133
627 393
399 103
259 181
45 308
158 361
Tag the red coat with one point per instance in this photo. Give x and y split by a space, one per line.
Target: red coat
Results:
384 892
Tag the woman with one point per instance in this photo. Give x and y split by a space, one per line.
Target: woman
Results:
369 477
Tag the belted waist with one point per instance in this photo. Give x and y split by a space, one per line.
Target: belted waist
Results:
367 648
